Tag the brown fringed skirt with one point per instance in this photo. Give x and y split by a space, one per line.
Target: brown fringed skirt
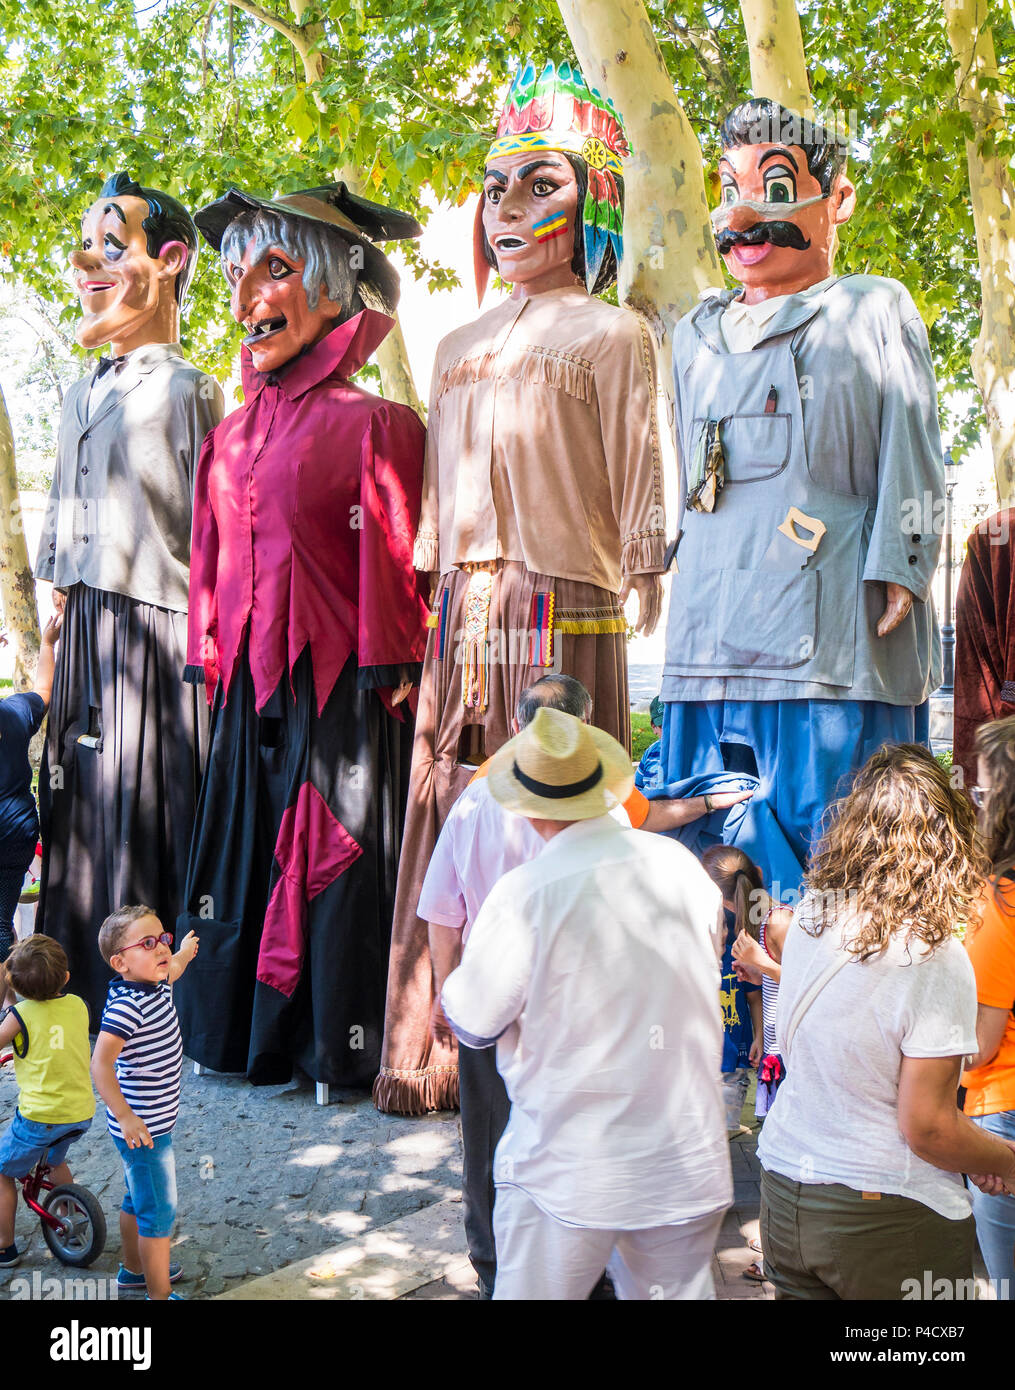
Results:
589 643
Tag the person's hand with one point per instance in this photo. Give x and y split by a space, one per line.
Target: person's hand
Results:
747 974
51 631
188 947
756 1053
59 600
649 588
440 1028
988 1183
900 601
748 953
135 1132
401 691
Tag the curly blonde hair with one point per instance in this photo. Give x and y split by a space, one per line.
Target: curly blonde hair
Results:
995 745
903 849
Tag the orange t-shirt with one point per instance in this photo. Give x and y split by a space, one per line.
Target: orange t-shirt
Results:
991 946
636 805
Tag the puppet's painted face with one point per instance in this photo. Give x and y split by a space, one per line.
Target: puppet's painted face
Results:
268 298
530 201
118 283
787 240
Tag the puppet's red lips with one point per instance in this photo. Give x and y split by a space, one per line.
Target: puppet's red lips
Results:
264 328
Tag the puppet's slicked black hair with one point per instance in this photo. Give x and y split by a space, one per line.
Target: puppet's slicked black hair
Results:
762 121
167 220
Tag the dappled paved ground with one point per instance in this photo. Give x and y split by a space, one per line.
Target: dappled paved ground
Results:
268 1179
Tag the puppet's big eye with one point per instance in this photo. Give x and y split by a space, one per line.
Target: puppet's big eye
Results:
111 248
541 187
781 189
493 193
729 193
278 269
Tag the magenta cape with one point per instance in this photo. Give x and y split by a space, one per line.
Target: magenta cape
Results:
298 556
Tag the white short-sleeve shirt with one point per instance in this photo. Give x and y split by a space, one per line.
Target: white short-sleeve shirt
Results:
835 1118
594 967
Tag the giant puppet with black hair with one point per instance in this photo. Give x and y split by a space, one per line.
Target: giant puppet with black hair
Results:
802 632
307 628
118 785
542 499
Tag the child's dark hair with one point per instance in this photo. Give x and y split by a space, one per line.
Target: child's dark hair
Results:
36 969
114 928
740 882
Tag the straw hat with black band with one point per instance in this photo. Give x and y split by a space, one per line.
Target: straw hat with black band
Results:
558 768
356 219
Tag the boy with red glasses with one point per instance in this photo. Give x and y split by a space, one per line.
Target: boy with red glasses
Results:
136 1067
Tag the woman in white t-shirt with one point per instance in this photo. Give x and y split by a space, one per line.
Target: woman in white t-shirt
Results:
863 1147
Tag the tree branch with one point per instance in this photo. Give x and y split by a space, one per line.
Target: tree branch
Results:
292 32
204 44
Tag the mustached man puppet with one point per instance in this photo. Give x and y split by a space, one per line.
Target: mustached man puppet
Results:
801 632
308 627
542 503
119 782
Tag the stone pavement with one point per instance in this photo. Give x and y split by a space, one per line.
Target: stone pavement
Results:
281 1198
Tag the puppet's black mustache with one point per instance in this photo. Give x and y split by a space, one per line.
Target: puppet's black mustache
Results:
778 233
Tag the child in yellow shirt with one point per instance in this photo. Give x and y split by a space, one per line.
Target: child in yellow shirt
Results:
49 1032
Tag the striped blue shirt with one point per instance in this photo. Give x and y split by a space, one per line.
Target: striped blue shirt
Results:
151 1062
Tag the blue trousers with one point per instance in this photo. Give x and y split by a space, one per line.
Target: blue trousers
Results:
803 753
995 1217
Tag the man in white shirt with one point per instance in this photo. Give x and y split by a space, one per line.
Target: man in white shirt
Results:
593 968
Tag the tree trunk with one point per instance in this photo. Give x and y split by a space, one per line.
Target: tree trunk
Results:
776 49
17 586
992 193
669 250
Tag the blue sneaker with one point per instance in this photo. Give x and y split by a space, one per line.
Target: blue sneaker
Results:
126 1279
173 1298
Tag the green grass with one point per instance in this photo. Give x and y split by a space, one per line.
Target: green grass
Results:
642 734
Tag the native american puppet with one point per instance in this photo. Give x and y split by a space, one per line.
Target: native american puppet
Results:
308 627
542 500
801 632
121 769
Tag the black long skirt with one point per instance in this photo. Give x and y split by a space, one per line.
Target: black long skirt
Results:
117 810
334 900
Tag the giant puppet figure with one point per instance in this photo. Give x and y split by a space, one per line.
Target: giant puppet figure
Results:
122 761
308 626
801 632
542 501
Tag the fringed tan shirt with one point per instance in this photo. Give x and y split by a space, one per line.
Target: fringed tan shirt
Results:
542 443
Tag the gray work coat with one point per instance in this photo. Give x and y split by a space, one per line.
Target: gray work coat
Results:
833 413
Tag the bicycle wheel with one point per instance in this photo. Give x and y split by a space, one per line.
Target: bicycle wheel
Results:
82 1237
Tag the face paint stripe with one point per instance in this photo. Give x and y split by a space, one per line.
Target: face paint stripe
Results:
550 227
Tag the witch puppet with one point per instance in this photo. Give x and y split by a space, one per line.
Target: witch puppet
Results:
121 767
801 632
542 499
307 628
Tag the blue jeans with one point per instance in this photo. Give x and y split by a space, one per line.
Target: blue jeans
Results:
995 1217
151 1185
26 1141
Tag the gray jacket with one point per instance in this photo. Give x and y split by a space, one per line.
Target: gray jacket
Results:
851 439
119 510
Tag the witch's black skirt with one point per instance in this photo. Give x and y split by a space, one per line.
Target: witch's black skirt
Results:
120 774
297 839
